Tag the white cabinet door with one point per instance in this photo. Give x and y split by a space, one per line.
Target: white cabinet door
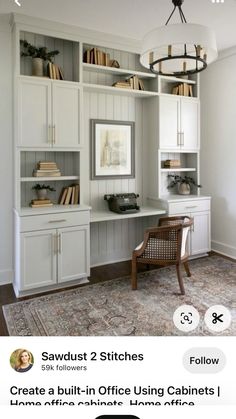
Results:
73 253
38 259
169 114
66 114
34 113
200 234
189 124
178 123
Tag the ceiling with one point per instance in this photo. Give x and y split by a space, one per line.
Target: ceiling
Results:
131 18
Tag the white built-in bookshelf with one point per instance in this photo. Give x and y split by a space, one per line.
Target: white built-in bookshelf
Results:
52 123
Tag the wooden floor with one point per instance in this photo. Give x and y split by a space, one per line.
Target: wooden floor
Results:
98 274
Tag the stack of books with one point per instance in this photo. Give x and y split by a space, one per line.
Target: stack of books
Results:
98 57
46 168
70 195
183 89
171 163
133 82
122 84
55 72
39 203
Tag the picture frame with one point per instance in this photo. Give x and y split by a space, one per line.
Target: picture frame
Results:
112 149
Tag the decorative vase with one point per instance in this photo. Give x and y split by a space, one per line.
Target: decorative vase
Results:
42 193
184 189
37 67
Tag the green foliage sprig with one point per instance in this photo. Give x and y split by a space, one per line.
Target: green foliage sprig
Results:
38 187
176 179
34 52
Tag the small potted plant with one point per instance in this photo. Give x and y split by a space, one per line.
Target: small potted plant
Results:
184 183
42 190
38 55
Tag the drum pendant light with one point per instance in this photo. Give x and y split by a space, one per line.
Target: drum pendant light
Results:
178 49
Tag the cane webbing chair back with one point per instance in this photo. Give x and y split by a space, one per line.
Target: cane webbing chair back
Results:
164 245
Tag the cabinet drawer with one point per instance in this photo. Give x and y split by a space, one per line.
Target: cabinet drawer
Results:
49 221
189 206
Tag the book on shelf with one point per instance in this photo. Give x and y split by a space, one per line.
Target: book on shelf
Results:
183 89
46 173
41 206
98 57
76 194
69 195
55 72
63 196
141 85
47 165
40 203
46 168
171 163
122 84
132 82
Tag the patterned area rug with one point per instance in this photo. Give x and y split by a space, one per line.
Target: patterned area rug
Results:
112 309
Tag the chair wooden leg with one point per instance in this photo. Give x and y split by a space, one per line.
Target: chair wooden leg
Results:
181 284
134 274
186 267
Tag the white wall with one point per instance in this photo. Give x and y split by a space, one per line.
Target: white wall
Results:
6 156
218 149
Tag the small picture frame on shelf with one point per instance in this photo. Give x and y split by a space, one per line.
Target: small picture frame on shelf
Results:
112 146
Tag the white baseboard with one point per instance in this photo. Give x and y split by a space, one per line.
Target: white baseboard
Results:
6 277
224 249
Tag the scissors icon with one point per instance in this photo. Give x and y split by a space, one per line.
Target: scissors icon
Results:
217 318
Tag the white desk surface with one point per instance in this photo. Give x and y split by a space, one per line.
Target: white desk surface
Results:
98 216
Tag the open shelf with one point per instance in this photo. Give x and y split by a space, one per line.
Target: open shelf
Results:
67 59
48 178
119 71
176 80
179 169
167 83
118 91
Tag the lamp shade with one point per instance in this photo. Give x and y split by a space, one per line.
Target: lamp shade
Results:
175 43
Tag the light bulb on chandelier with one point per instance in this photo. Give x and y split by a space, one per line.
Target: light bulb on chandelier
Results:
178 49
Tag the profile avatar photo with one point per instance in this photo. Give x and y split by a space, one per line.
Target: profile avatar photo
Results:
21 360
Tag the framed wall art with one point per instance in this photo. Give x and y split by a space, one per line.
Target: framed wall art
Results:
112 149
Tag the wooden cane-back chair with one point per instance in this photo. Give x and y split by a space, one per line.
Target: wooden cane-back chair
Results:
164 245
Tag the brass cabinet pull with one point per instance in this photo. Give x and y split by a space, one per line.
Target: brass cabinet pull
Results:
49 134
59 242
55 244
54 134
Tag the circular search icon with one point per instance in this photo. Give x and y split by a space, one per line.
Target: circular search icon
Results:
186 318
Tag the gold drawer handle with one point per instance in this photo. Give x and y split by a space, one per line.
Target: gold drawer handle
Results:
193 206
57 221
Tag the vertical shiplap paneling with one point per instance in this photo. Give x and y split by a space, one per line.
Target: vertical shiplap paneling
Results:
114 240
139 154
76 61
86 161
67 60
